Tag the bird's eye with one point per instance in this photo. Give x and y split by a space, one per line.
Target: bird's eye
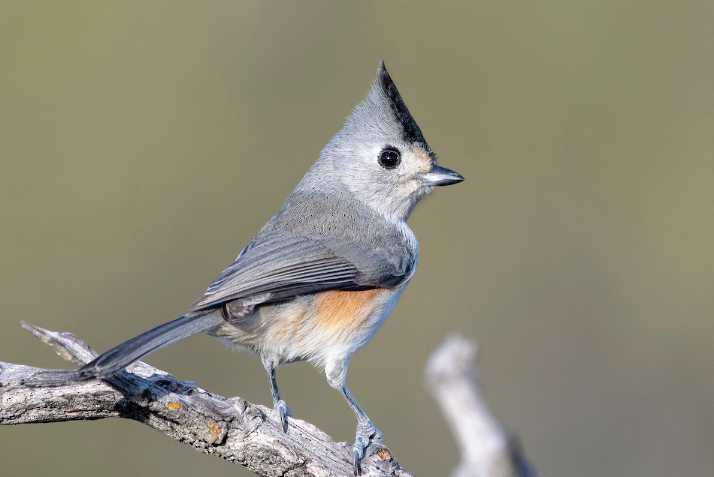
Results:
389 158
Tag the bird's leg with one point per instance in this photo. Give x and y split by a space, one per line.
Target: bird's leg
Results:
336 373
278 404
365 430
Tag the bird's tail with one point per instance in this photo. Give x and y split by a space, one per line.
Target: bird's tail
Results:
126 353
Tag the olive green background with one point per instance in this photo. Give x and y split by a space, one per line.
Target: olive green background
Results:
142 144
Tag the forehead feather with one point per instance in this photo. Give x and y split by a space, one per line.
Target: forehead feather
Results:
410 129
384 116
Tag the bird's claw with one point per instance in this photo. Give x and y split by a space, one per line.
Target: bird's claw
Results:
366 432
284 412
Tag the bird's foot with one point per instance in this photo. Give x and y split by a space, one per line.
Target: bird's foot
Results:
284 412
366 432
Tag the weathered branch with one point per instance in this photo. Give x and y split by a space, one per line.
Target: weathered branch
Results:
231 428
486 449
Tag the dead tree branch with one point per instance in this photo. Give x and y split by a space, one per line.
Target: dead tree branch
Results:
230 428
486 449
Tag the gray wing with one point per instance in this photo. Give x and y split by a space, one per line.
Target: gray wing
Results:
291 266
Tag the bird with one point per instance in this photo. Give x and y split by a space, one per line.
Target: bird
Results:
319 279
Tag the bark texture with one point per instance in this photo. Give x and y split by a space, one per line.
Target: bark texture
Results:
231 428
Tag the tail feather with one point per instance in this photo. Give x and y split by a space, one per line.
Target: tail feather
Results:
121 356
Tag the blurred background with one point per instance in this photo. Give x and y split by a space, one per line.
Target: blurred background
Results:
142 145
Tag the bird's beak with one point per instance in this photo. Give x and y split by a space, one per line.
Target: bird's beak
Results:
441 176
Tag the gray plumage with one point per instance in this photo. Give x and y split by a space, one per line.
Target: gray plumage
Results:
343 229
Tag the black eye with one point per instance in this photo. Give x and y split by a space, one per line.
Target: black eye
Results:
389 158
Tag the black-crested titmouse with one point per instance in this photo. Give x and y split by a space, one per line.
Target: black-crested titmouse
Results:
320 278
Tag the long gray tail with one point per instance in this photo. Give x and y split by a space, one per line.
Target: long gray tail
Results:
126 353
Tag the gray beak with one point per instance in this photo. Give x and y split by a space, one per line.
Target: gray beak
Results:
441 176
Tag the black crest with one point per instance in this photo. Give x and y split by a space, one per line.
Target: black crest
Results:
412 133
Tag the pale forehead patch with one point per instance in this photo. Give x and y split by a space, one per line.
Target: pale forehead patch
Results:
423 160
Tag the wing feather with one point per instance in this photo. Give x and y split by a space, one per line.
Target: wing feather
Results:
294 266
